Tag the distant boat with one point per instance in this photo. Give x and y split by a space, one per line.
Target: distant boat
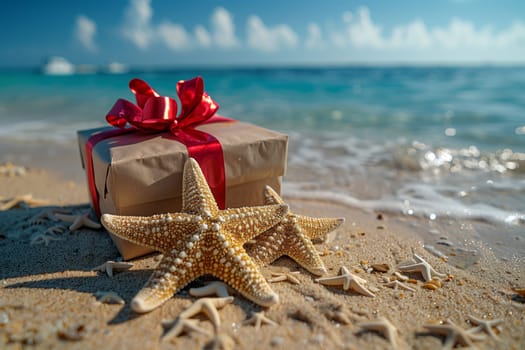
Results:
56 65
116 68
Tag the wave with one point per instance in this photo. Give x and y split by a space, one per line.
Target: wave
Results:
414 200
44 131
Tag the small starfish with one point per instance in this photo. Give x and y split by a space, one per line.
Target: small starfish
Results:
399 285
454 334
285 276
56 229
23 201
209 307
180 326
348 281
383 326
486 325
422 267
78 221
9 169
258 319
217 288
292 237
338 316
221 342
109 298
44 238
47 214
113 266
201 240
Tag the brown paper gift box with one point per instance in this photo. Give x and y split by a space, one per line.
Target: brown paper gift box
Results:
141 174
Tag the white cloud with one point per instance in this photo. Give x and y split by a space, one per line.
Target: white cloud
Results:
338 40
223 29
202 36
267 39
358 36
174 36
137 26
414 34
347 16
461 33
458 39
362 31
139 29
314 40
85 30
514 35
458 35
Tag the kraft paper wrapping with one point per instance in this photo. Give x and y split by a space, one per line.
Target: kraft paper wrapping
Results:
141 174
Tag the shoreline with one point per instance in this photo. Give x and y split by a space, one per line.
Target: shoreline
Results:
462 236
47 292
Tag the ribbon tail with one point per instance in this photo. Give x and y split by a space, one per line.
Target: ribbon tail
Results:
207 151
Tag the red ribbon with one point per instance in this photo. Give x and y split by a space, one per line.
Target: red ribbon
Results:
155 113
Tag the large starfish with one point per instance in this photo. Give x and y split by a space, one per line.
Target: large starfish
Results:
292 237
199 241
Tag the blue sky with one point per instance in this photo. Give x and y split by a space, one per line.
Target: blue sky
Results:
207 32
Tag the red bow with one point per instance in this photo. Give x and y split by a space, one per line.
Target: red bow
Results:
155 113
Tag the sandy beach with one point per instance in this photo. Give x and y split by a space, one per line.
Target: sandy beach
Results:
48 291
385 140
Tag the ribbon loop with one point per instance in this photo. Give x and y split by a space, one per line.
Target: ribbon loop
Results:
155 113
142 91
190 93
121 112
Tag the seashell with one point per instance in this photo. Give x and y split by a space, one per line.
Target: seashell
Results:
74 333
4 318
429 286
381 267
400 276
436 282
520 291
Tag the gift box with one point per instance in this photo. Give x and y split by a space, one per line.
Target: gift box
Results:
131 172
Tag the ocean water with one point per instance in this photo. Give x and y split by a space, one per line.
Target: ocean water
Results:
439 144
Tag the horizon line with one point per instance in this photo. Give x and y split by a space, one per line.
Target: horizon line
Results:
289 65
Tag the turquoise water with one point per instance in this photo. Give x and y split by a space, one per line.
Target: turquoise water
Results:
484 107
432 142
